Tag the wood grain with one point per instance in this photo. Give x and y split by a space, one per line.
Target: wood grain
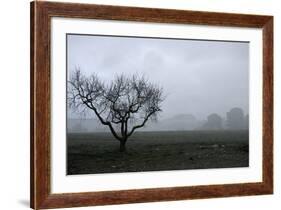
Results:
41 14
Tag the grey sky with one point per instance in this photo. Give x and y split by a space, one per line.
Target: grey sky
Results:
198 77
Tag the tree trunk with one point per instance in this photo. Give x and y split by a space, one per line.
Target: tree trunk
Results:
122 146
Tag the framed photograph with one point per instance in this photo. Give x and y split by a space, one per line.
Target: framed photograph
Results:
134 105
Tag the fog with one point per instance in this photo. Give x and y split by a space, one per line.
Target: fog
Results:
198 77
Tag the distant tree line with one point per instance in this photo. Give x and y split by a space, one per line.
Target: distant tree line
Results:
235 120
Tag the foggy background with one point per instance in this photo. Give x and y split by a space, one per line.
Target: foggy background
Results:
199 77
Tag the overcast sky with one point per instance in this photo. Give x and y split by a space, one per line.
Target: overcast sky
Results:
198 77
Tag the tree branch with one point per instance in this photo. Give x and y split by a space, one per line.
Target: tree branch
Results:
142 124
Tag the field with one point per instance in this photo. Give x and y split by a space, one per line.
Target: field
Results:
92 153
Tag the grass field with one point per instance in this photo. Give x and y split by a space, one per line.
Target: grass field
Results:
92 153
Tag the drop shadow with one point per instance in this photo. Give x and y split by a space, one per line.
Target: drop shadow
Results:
23 202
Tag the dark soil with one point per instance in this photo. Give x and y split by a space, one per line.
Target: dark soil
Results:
92 153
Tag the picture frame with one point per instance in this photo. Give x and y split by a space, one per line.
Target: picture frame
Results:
41 196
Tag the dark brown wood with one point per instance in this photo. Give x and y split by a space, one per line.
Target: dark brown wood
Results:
32 143
153 195
40 106
152 15
268 104
41 13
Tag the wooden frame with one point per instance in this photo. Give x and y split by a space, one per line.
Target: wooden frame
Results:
41 14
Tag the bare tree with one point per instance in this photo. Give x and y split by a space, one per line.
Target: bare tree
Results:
124 105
